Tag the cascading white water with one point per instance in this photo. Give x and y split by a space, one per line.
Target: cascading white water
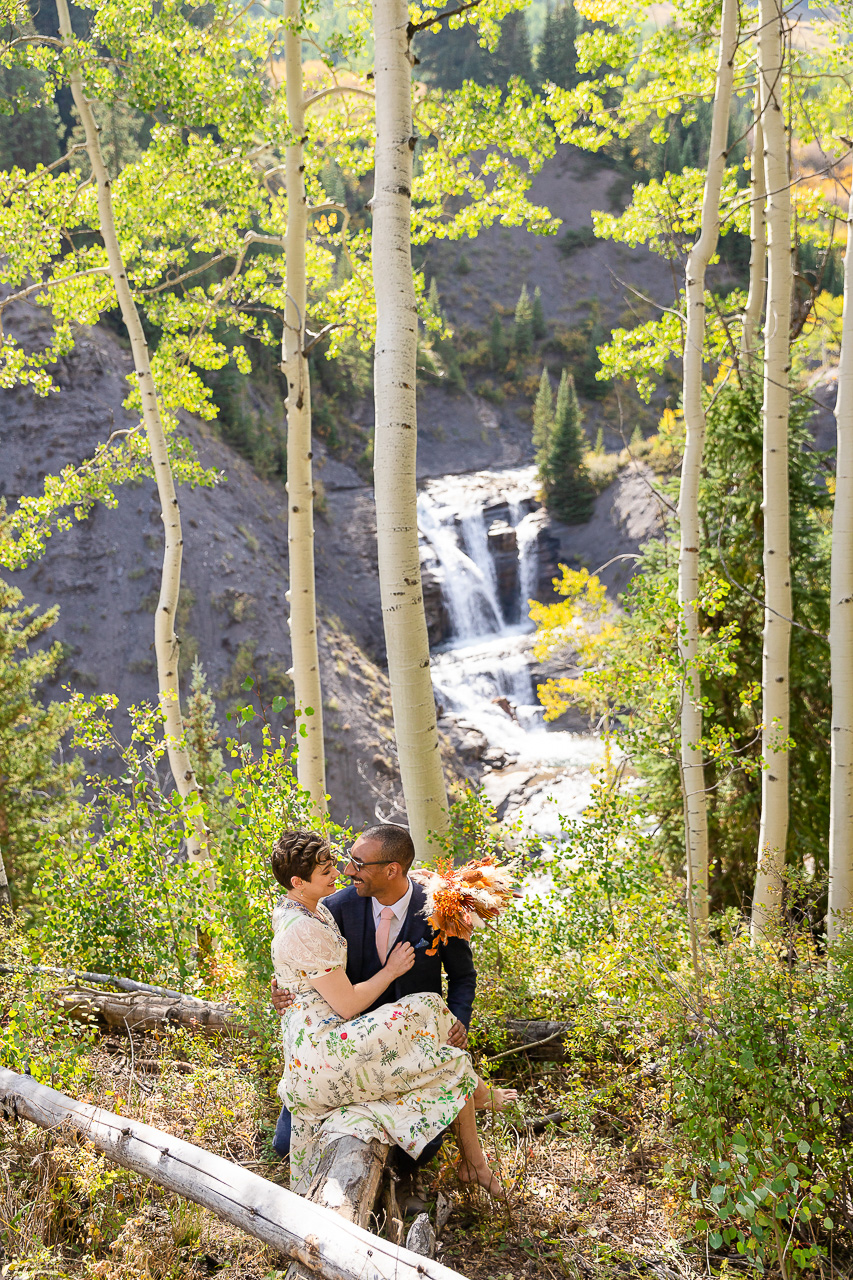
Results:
469 588
527 535
484 675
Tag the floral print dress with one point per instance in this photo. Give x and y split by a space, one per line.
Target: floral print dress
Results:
389 1074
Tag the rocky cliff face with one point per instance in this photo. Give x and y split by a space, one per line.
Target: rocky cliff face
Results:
104 573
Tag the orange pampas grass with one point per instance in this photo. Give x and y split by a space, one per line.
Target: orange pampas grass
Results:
462 899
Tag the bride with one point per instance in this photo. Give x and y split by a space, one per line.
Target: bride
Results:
389 1074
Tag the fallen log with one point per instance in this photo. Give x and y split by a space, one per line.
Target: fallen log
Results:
347 1181
537 1037
83 975
142 1011
306 1232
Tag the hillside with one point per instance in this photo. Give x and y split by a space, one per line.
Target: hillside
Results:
104 573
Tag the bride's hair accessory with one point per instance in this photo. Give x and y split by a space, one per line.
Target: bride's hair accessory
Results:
462 899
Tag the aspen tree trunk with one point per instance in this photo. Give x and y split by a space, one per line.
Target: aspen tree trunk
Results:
396 432
6 912
310 760
166 643
841 627
758 248
773 833
692 763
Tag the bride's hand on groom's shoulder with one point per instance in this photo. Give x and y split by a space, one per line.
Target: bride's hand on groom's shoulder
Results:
281 998
400 960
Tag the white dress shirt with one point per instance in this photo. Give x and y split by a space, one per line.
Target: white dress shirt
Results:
400 907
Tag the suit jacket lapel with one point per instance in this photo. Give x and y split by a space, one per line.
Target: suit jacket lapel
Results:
414 923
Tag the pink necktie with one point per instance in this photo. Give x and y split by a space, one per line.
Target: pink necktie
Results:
384 928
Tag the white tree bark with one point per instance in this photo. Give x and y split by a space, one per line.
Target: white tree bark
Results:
166 643
773 833
396 433
692 761
840 911
758 248
311 1234
6 911
310 760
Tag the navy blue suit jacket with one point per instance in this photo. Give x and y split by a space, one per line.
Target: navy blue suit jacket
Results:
354 916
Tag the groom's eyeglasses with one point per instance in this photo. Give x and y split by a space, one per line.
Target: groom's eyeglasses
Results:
358 863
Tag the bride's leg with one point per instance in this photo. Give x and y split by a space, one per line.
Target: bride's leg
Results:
489 1098
472 1166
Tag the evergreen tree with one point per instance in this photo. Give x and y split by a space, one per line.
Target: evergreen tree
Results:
449 58
540 328
543 426
523 330
570 492
557 59
433 299
202 732
497 344
513 55
38 793
30 134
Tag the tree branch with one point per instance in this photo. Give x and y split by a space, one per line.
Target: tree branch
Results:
440 17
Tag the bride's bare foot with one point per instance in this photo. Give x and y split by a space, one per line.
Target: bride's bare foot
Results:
490 1098
479 1175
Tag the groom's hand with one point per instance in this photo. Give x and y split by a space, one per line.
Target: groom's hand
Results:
281 1000
458 1038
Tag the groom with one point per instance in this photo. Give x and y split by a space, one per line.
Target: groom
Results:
381 907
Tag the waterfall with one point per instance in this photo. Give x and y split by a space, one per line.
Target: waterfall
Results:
469 588
527 534
484 675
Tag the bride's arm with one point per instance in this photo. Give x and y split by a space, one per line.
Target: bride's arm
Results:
348 1000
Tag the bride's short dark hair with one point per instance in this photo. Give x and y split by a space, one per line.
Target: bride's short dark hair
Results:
297 853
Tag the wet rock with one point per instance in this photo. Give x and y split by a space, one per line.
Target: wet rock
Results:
502 537
437 617
474 745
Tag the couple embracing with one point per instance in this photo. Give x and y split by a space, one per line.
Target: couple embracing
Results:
371 1049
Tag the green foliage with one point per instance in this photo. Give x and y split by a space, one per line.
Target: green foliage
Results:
449 57
39 794
522 334
498 351
763 1101
570 492
543 426
123 898
203 740
576 238
632 668
538 323
30 126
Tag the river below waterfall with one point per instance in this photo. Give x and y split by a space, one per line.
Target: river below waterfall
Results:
480 537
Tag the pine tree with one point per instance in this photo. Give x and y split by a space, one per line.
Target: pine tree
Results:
497 345
38 792
570 493
543 426
433 300
513 55
540 328
523 331
202 733
599 441
30 135
557 59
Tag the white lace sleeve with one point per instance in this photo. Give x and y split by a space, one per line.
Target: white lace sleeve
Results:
308 948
